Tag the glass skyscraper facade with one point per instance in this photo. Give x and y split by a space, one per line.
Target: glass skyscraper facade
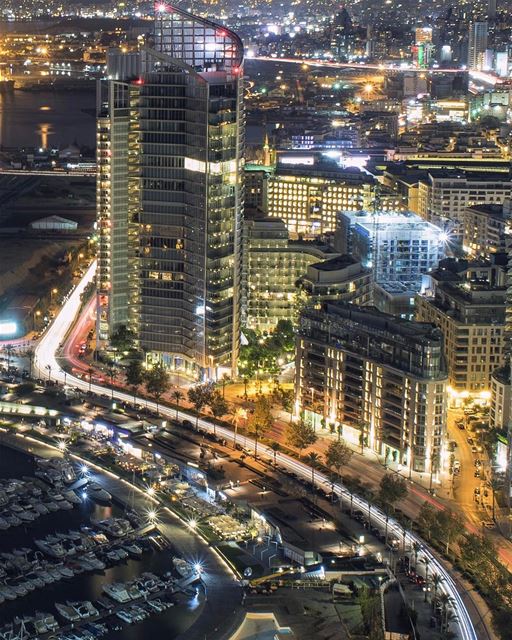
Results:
170 195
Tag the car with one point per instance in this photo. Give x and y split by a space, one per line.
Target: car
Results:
469 440
456 471
461 425
474 449
477 473
477 491
487 524
478 463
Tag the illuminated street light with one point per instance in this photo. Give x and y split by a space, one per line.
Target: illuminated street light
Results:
151 491
192 523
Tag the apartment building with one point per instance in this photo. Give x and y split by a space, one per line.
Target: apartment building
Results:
445 195
484 229
467 301
380 379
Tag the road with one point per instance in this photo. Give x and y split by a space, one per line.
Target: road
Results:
480 76
468 615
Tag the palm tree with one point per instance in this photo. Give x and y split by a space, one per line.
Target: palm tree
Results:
416 547
9 350
275 446
29 353
446 602
436 580
90 371
177 396
495 486
426 562
313 459
239 414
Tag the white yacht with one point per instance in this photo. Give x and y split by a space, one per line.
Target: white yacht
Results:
98 493
117 591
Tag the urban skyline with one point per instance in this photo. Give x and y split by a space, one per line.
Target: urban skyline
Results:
255 304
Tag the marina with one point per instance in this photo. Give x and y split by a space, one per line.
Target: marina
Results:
87 570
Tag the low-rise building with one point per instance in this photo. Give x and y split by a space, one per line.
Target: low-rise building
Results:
467 301
380 380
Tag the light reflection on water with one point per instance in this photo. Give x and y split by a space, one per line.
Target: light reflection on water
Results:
24 114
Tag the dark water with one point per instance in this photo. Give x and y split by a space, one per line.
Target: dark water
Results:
86 586
52 118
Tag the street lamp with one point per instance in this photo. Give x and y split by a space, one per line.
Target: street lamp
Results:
49 369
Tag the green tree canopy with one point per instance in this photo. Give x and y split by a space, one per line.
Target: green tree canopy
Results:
301 434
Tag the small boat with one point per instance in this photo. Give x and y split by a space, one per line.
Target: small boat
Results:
4 525
133 549
72 497
95 562
121 553
8 592
55 550
51 505
97 493
67 612
41 509
133 592
13 520
124 616
117 591
64 571
184 568
112 555
45 576
35 580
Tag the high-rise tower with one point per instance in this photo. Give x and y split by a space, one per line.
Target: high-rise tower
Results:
478 32
170 194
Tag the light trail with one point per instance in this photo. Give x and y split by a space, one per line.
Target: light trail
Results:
481 76
45 357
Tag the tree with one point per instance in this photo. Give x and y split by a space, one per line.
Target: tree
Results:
447 527
90 371
261 420
416 548
239 414
337 456
29 353
312 459
177 396
224 381
427 519
275 446
392 488
157 383
286 398
112 374
122 339
426 562
300 434
134 376
436 580
200 397
9 350
218 406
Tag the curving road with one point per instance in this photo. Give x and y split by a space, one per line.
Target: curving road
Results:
470 624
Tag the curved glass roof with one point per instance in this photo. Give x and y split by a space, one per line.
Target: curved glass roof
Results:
198 42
